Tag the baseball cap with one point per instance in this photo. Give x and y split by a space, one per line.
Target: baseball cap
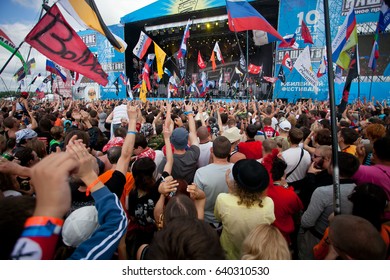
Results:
179 138
285 125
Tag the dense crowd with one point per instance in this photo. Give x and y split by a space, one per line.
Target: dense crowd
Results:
181 179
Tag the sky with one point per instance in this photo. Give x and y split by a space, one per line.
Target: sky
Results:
18 17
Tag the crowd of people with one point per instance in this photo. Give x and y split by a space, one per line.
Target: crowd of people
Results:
181 179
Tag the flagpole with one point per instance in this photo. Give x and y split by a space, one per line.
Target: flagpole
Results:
12 55
372 78
336 176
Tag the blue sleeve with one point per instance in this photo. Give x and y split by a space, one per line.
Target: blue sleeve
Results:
113 224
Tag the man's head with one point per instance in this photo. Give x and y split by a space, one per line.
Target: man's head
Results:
348 165
348 136
140 143
113 154
251 131
267 121
295 135
203 134
381 149
179 138
268 146
221 147
322 157
356 238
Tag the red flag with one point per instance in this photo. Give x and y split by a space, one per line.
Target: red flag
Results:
54 37
270 79
287 61
305 33
201 63
212 59
254 69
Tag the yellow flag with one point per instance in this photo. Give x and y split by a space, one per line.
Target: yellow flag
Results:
142 92
160 58
345 58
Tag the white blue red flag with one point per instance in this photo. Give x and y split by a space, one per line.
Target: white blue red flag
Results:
323 66
242 16
55 69
183 47
289 42
142 46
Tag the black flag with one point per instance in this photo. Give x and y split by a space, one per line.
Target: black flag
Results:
352 74
281 75
116 84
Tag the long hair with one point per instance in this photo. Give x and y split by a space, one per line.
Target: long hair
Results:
265 242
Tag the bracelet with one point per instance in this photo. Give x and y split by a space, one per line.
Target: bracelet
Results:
189 112
42 221
131 132
90 186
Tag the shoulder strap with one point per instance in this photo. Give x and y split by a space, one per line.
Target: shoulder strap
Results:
289 173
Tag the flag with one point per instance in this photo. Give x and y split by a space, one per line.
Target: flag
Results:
352 74
303 66
384 17
212 59
323 67
345 39
55 69
201 62
287 61
166 71
183 46
254 69
289 42
35 78
220 79
142 45
6 42
218 52
143 91
40 94
242 16
160 58
116 84
271 80
238 71
261 38
128 89
374 53
147 69
281 75
242 62
54 37
386 73
123 78
305 33
86 13
338 75
25 70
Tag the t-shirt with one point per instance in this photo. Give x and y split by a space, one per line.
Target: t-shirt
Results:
291 157
204 156
119 113
211 179
185 165
239 220
251 149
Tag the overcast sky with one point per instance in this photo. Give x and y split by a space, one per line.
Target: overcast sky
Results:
18 17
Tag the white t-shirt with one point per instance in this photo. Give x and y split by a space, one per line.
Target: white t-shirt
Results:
204 156
119 113
291 157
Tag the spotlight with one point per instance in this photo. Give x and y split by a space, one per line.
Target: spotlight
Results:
208 25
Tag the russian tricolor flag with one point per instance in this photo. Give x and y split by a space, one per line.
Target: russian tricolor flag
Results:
183 47
55 69
242 16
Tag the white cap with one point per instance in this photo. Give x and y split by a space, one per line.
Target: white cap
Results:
79 226
285 125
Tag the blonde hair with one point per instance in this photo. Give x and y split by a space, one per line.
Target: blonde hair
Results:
265 242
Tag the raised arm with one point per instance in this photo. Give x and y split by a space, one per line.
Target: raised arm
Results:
191 122
128 145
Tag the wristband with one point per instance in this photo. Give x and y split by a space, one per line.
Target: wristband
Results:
90 186
131 132
42 221
189 112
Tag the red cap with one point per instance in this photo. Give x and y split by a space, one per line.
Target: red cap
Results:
24 94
